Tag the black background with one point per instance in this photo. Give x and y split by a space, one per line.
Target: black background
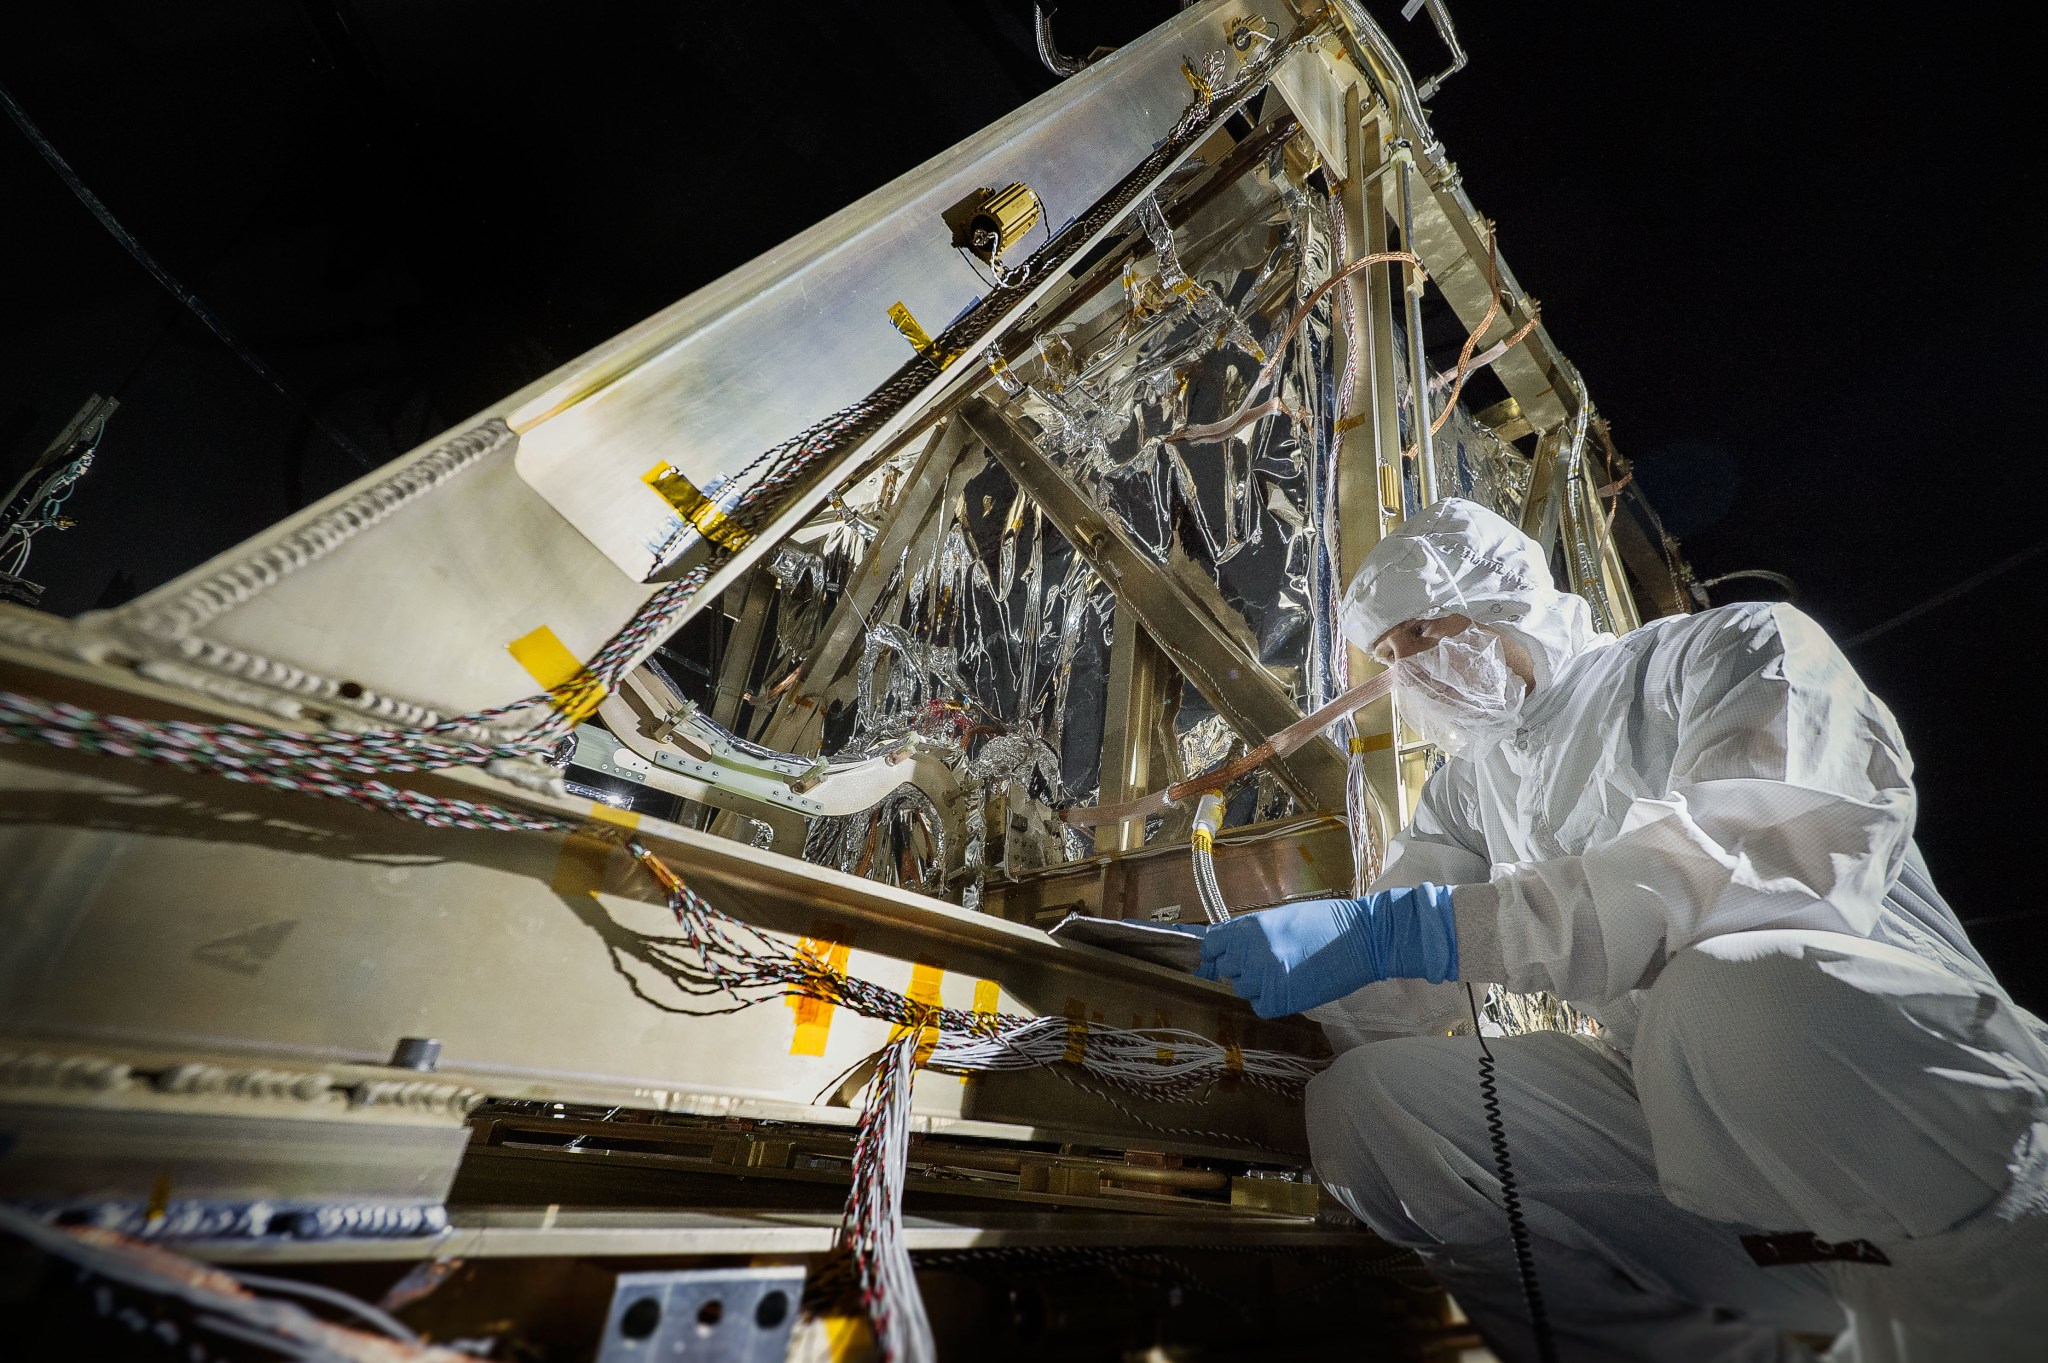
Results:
1789 246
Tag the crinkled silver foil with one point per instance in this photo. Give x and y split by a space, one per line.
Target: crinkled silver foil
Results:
991 641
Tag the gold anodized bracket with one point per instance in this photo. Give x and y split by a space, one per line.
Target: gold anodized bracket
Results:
990 221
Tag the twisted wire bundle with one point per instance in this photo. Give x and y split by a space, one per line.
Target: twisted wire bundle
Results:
277 759
871 1230
345 765
719 954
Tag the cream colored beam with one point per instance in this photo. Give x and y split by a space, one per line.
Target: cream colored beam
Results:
1369 445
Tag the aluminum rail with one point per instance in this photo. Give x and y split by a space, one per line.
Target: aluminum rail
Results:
1186 618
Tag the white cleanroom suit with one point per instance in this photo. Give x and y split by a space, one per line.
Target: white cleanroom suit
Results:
1701 834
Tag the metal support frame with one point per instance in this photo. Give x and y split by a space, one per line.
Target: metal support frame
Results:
1451 238
1541 509
921 503
1186 616
1256 866
1423 439
741 647
1369 495
1136 759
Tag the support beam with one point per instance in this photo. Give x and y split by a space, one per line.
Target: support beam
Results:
1132 763
799 714
1369 436
1450 236
1654 566
1541 509
757 602
1187 616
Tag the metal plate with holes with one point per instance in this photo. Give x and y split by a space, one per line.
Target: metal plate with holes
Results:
717 1315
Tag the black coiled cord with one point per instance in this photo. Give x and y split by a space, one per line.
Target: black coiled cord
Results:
1510 1196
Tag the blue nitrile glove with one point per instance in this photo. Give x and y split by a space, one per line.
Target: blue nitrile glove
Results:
1295 956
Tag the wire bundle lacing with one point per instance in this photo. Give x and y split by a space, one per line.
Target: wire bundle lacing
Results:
871 1231
348 766
718 954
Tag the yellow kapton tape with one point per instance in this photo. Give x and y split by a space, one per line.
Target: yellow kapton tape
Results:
580 865
814 1016
1077 1032
925 981
920 339
848 1338
1364 743
988 1001
548 661
1233 1049
693 506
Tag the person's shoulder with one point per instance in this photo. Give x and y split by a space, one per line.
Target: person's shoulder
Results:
1719 647
1745 627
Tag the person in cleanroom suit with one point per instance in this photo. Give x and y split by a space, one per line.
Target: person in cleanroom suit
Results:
1702 835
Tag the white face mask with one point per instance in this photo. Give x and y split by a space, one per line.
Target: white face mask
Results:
1460 695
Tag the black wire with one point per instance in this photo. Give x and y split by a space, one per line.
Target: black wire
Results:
1510 1196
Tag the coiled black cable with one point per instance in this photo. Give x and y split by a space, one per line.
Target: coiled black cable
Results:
1510 1195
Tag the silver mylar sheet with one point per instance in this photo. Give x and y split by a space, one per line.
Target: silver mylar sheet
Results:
994 636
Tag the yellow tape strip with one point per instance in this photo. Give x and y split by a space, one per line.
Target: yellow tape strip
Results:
693 506
580 865
925 981
920 339
848 1338
1233 1048
1363 743
546 658
988 1001
1202 840
548 661
1077 1032
814 1016
1164 1054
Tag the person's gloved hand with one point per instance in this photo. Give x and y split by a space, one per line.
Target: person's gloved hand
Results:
1296 956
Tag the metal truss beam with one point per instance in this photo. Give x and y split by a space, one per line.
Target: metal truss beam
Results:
1186 616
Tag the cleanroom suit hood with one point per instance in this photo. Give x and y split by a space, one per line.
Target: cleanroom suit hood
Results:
1458 558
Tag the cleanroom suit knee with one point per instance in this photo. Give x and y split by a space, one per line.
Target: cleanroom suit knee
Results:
1400 1138
1824 1082
1701 835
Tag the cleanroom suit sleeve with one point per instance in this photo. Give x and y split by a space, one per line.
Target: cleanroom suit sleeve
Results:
1439 845
1789 804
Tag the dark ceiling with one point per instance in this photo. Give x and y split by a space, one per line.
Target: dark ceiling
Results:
1789 250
